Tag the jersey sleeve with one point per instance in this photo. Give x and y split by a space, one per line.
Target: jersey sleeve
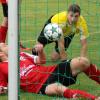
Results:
33 57
83 29
3 81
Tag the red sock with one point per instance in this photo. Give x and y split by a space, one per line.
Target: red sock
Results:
3 33
68 93
93 73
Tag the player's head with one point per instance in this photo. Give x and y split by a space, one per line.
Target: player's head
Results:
3 52
79 64
74 12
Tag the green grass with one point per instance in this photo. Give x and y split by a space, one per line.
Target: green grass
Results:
34 13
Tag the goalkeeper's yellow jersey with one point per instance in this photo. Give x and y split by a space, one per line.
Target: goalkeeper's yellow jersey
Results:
78 28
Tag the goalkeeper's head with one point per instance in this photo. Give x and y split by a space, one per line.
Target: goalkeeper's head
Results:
74 12
3 52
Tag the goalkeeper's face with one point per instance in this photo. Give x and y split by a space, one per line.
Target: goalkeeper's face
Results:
73 17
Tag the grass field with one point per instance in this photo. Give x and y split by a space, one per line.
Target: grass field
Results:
33 14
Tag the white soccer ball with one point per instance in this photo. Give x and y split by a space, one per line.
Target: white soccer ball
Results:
52 32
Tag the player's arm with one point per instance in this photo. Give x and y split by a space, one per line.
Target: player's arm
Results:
58 19
62 48
40 59
84 47
83 37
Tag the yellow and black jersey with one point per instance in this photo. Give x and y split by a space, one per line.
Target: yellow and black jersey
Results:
78 28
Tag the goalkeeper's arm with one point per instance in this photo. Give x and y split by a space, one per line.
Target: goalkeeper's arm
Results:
62 52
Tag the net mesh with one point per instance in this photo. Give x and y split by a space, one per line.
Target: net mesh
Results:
33 15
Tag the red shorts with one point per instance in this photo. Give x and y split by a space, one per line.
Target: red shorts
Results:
3 1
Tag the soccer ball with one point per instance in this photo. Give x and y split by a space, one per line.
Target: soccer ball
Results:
52 32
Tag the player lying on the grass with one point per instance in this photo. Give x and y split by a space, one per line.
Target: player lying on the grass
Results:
44 79
72 23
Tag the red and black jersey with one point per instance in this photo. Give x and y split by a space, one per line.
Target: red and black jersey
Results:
32 76
33 80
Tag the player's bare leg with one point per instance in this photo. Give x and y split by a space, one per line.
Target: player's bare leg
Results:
60 90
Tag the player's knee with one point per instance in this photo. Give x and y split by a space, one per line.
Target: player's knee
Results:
55 89
55 56
51 90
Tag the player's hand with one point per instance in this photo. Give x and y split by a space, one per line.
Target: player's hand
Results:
39 47
3 90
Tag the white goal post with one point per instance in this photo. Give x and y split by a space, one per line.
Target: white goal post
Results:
13 50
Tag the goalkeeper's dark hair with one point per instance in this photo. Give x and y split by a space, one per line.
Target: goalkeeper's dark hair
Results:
75 8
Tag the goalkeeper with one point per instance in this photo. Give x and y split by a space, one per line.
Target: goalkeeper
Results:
72 23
